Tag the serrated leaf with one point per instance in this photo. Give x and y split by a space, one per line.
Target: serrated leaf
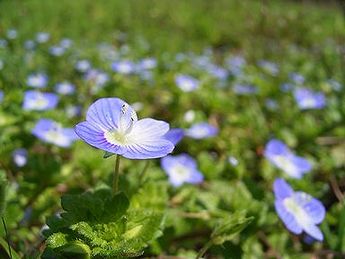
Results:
57 240
228 228
115 207
75 249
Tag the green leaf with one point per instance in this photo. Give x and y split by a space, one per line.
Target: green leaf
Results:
75 249
4 245
229 227
342 230
115 207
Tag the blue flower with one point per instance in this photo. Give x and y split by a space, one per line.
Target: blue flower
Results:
174 135
34 100
298 210
112 125
73 111
147 64
20 157
308 99
52 132
282 157
1 96
29 44
124 67
3 43
336 86
82 65
186 83
297 78
235 64
38 80
11 34
201 130
286 87
269 67
42 37
181 169
241 89
66 43
97 79
57 50
1 64
65 88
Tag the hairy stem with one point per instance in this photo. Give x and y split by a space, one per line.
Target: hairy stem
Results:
116 175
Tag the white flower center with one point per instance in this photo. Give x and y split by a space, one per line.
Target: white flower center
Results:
297 210
39 102
180 172
56 136
286 164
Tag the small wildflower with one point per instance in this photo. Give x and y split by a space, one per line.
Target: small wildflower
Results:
181 169
20 157
283 158
35 100
308 99
65 88
298 210
201 130
241 89
38 80
52 132
112 125
42 37
186 83
82 65
124 67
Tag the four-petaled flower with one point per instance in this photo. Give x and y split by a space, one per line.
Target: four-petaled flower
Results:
298 210
282 157
309 99
181 169
201 130
186 83
51 132
112 125
35 100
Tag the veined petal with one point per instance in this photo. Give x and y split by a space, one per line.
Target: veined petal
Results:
313 231
105 113
313 207
281 189
95 137
301 163
147 130
288 219
149 149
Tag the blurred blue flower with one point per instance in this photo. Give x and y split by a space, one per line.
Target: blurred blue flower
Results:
269 67
235 64
3 43
233 160
282 157
65 88
35 100
218 72
1 96
124 67
12 34
52 132
66 43
112 125
174 135
336 86
298 210
1 64
309 99
38 80
286 87
42 37
97 79
146 64
201 130
82 65
296 78
186 83
241 89
57 50
271 104
29 44
181 169
73 111
20 157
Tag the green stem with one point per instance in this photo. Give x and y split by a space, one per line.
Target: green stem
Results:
143 172
7 237
116 175
204 249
